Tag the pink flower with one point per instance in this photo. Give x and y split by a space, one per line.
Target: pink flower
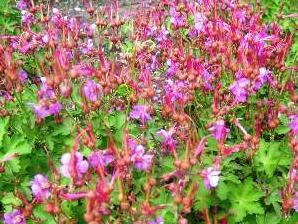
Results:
27 17
169 143
240 90
200 20
90 29
100 158
14 217
219 131
92 90
200 147
210 177
264 77
42 111
83 69
158 220
141 160
23 76
22 5
41 187
81 165
87 47
293 124
177 19
141 113
73 196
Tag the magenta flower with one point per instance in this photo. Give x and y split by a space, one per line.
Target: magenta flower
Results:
41 187
100 158
200 20
240 90
23 76
27 18
141 160
177 19
200 147
173 68
90 29
83 69
81 165
45 90
87 47
43 111
293 124
168 143
14 217
141 113
219 131
22 5
158 220
92 90
264 77
210 177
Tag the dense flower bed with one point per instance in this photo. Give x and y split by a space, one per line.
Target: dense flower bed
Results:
184 113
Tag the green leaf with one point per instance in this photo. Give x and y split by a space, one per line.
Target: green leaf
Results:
222 191
268 157
203 197
245 199
268 218
39 212
10 199
3 127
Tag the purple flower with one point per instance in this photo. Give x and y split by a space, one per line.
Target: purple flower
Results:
163 35
141 113
66 168
263 78
45 38
92 90
176 18
22 5
82 69
240 90
41 187
173 68
27 17
210 177
90 29
158 220
54 108
293 124
100 158
219 131
141 160
169 143
199 21
14 217
41 111
23 76
176 90
87 48
207 78
45 90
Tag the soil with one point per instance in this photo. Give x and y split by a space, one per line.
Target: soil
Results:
75 7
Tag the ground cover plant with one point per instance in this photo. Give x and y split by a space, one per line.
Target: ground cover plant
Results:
184 112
